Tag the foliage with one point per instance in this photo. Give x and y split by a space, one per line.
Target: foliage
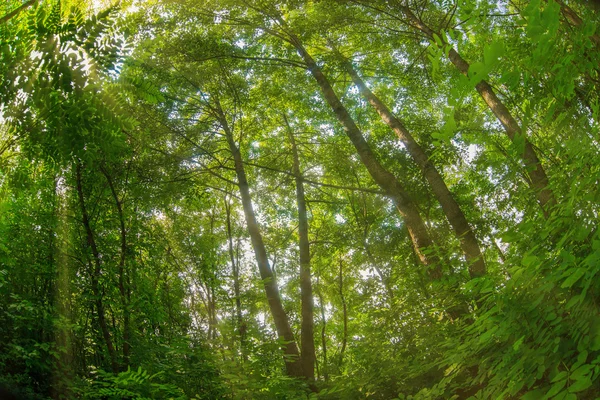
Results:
127 251
129 385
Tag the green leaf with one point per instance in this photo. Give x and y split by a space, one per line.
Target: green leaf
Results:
573 277
556 388
533 395
477 71
581 372
560 376
580 385
530 260
518 343
492 52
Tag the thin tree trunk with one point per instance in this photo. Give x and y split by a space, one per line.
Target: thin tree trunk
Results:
536 174
324 366
365 235
307 341
344 310
385 179
210 280
213 308
284 331
450 207
375 264
236 283
17 11
123 290
91 241
574 19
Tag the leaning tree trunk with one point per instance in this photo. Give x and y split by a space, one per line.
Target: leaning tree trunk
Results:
385 179
576 20
450 207
307 341
95 276
282 325
17 11
536 174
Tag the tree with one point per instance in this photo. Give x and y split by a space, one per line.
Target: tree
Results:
186 188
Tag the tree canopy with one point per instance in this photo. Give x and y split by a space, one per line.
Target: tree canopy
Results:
334 199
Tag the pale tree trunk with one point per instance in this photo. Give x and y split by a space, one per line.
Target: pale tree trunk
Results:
95 276
236 283
536 174
385 179
450 207
344 311
307 342
282 325
325 365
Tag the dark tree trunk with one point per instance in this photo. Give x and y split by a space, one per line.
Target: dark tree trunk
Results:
95 276
576 20
124 289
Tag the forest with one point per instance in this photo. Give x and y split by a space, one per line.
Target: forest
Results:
299 199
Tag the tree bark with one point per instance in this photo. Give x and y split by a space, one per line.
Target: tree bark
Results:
307 341
385 179
344 311
576 20
17 11
324 365
95 276
236 283
124 289
284 331
536 174
450 207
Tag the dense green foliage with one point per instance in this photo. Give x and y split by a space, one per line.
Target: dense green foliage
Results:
139 141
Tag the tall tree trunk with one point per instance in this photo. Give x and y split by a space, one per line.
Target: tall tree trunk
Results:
284 331
344 310
450 207
324 367
385 179
307 341
236 283
124 289
536 174
95 276
213 308
66 366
